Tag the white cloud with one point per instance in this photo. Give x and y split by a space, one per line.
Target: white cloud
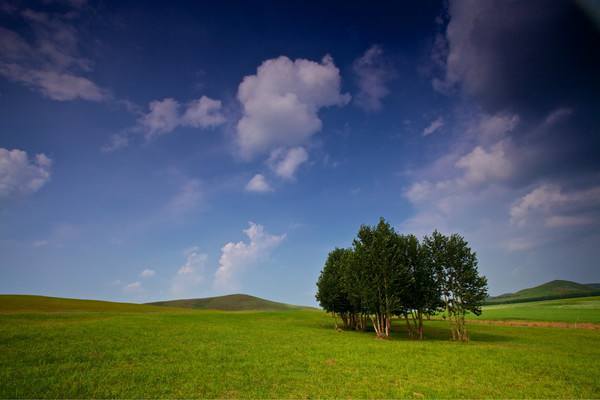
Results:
258 184
203 113
557 208
40 243
280 103
20 177
373 71
434 126
482 167
147 273
52 65
189 198
164 116
191 273
236 258
285 163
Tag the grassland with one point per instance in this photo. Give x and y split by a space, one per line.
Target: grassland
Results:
107 352
578 310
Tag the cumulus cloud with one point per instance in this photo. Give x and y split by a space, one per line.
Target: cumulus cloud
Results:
21 177
258 184
236 258
49 63
373 72
280 103
285 163
191 273
434 126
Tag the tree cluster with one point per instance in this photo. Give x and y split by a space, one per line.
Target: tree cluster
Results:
386 274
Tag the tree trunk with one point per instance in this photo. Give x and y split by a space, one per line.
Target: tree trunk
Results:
344 320
335 321
410 332
449 317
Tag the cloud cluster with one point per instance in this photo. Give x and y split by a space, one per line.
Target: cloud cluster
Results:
520 169
280 106
373 72
21 177
49 63
236 258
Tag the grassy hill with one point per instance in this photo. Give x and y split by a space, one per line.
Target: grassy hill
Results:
24 303
232 302
548 291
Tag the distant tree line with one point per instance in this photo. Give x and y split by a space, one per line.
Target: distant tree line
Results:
386 274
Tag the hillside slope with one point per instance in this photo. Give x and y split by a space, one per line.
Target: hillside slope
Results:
557 289
13 303
232 302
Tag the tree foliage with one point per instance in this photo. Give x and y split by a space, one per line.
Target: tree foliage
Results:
387 274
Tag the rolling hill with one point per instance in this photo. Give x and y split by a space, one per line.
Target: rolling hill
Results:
557 289
232 302
16 303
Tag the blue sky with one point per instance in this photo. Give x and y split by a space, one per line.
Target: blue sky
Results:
162 150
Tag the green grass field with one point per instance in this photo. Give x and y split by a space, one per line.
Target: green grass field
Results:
137 352
585 309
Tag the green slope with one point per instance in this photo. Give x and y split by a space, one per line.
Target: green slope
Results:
232 302
548 291
24 303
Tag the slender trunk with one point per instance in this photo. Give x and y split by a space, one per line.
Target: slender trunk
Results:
344 320
335 320
420 325
388 326
449 316
410 332
375 326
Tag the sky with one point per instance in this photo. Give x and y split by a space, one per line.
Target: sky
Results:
163 150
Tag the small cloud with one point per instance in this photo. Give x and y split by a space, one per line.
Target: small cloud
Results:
285 164
147 273
203 113
117 141
258 184
434 126
20 177
40 243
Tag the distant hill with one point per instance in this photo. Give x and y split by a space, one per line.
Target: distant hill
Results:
13 303
548 291
594 285
232 302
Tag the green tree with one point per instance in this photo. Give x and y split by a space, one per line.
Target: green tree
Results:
331 293
384 277
457 277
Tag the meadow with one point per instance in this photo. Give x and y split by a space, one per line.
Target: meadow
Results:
137 351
